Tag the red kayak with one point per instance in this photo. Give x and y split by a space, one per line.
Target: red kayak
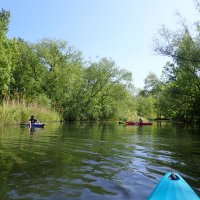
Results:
138 123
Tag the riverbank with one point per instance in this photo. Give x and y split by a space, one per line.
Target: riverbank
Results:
15 112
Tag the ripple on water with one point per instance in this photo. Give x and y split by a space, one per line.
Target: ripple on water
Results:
94 162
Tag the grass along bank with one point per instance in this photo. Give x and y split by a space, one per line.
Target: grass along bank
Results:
15 112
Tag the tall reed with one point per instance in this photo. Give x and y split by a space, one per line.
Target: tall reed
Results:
19 111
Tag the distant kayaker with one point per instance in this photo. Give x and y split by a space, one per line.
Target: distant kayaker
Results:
33 120
140 120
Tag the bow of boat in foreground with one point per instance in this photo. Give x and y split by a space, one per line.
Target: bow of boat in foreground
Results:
173 187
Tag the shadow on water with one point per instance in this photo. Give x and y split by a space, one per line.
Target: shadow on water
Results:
95 160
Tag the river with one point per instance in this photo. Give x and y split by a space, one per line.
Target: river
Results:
95 160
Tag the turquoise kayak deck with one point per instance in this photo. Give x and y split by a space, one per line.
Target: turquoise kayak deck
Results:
168 189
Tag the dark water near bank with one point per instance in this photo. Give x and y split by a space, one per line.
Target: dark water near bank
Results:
95 161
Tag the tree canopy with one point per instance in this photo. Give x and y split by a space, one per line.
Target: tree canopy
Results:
53 72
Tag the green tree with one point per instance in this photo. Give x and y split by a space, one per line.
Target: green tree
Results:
63 65
181 76
101 94
8 52
28 73
145 106
152 84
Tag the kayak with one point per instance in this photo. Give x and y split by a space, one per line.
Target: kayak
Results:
173 187
143 123
138 123
130 123
35 125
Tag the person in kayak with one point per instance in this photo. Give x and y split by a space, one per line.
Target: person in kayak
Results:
33 120
140 120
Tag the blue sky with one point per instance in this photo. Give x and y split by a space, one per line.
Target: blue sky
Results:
119 29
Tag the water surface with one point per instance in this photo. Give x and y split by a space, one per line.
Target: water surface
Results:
95 160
